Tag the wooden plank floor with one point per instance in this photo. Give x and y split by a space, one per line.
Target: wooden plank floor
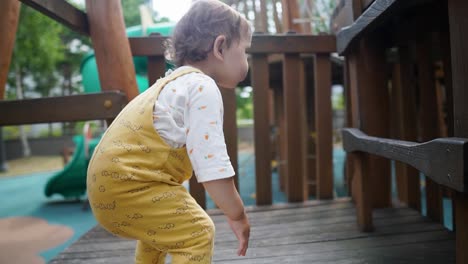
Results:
315 232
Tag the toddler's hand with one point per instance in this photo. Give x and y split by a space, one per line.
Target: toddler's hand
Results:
241 229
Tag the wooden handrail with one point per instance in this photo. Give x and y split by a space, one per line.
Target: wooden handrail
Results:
104 105
62 12
442 159
261 43
375 14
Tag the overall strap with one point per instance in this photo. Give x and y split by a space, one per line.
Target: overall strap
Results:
162 82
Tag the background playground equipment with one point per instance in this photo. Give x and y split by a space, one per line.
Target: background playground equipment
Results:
71 181
89 69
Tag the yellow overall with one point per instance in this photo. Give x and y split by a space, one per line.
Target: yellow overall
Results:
134 187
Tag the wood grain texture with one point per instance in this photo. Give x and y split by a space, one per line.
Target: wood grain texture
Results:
319 232
441 159
324 127
105 105
9 16
260 83
458 23
295 127
367 21
111 47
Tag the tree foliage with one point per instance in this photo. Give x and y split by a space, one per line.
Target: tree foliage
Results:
38 49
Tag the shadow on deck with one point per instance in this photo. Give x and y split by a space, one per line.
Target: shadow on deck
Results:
312 232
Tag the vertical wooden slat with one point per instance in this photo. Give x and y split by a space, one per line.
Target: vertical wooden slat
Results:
349 123
458 43
407 177
197 191
360 184
310 133
230 128
113 55
260 84
294 107
428 114
156 68
281 138
324 127
9 16
374 114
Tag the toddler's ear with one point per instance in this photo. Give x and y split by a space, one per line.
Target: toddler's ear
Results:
219 46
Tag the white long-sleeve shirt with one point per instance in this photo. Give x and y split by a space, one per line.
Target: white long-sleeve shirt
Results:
189 111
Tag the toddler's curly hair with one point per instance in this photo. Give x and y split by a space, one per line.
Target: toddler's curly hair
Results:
193 36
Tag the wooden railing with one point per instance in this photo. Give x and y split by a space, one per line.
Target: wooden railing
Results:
394 90
290 102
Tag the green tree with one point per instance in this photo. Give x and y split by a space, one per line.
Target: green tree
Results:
131 12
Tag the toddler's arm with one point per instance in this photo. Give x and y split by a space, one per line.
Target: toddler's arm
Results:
224 194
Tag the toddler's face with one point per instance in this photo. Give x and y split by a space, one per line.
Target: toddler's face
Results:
236 65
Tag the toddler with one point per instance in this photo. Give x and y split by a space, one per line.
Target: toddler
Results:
136 173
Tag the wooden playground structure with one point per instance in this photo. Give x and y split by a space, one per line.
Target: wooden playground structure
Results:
406 84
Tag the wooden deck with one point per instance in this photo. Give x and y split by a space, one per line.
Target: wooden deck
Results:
315 232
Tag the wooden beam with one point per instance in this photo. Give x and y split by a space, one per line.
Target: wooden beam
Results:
147 46
230 128
370 74
9 15
290 12
367 21
261 43
292 43
197 191
294 113
357 167
311 131
260 82
156 68
458 22
111 47
376 14
404 100
105 105
323 126
62 12
427 114
441 159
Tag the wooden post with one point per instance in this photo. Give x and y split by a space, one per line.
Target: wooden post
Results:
311 135
156 68
404 100
9 16
324 127
230 128
113 55
358 168
427 114
290 12
373 112
281 136
294 139
349 123
197 191
260 82
458 43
